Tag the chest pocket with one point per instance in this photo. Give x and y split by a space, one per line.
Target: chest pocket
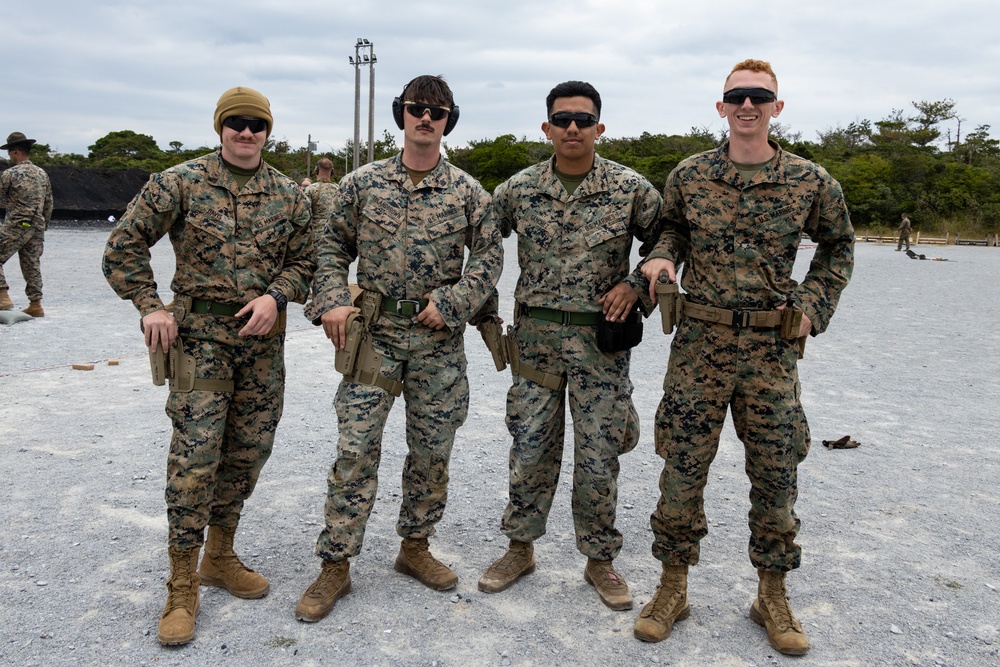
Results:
383 217
215 228
451 225
271 235
784 221
607 230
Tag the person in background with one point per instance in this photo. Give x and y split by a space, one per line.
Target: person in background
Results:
26 194
904 233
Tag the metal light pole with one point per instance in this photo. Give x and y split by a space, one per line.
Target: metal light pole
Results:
357 61
371 103
310 149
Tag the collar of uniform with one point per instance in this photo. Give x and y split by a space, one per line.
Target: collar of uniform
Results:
219 175
723 168
439 177
595 182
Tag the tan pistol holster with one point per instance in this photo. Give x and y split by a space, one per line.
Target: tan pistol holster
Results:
178 368
791 318
671 304
280 322
358 360
489 329
547 380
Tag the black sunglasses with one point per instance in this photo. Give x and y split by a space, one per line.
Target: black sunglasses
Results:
240 123
564 118
756 95
417 110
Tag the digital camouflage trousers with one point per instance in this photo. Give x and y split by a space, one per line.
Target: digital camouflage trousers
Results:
436 395
28 243
605 426
221 441
752 373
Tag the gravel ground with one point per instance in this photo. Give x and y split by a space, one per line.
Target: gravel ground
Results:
900 535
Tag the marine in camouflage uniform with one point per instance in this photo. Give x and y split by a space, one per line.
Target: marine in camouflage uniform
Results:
26 194
240 234
904 233
321 194
575 237
408 221
734 222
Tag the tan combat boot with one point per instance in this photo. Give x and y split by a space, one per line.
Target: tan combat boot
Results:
610 584
771 610
415 560
519 561
34 308
177 621
222 567
333 583
5 302
669 604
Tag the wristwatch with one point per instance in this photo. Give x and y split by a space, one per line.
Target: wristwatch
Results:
280 298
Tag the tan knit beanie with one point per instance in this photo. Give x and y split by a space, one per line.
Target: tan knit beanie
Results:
242 101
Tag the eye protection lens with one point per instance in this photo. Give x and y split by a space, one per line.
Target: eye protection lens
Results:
564 118
418 110
240 123
756 95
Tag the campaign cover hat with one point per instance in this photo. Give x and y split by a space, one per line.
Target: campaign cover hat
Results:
16 140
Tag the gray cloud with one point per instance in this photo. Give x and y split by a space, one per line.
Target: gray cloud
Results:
75 72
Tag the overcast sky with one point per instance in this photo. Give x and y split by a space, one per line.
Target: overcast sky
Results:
74 71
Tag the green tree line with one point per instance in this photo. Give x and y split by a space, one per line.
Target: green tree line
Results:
126 149
919 163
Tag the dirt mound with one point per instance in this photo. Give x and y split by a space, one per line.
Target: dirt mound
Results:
92 193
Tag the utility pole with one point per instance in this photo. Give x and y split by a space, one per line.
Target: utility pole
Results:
361 58
371 104
310 149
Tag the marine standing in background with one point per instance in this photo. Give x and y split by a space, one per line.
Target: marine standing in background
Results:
904 233
408 221
321 194
240 233
734 216
26 194
575 216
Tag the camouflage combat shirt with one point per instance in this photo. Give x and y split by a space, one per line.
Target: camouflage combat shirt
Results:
26 193
738 240
410 240
321 194
231 245
572 249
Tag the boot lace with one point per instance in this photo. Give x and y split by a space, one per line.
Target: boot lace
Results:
179 597
666 600
422 559
780 611
330 579
514 560
606 575
230 564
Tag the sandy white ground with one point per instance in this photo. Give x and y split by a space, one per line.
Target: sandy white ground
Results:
900 536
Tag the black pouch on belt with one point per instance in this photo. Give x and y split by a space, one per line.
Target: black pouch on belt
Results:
618 336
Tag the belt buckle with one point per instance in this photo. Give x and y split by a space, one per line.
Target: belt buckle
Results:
415 303
567 317
741 319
